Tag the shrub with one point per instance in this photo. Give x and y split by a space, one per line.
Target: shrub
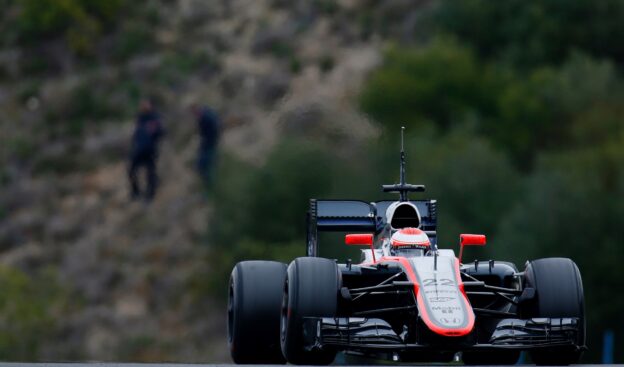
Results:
521 113
79 22
441 83
571 209
543 32
263 201
28 308
135 37
326 63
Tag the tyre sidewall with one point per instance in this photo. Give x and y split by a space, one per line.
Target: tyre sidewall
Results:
253 312
558 293
311 291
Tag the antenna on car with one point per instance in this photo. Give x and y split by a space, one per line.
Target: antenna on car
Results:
402 174
403 187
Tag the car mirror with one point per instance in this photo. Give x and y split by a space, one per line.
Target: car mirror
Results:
470 240
359 239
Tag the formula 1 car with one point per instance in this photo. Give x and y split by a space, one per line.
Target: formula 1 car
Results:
407 300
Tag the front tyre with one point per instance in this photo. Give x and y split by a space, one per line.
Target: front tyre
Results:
254 303
558 293
311 290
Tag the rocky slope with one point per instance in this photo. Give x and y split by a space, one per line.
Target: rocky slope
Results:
271 68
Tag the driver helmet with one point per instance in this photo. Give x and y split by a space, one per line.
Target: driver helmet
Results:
410 238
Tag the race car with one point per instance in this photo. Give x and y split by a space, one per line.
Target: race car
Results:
406 300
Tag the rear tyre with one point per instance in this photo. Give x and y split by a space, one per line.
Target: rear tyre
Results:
254 302
558 293
495 357
311 290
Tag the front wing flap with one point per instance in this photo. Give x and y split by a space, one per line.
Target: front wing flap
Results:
537 331
351 333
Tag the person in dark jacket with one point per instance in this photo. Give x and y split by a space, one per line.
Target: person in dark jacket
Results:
209 130
144 151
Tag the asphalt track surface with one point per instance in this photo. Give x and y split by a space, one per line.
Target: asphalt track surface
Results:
109 364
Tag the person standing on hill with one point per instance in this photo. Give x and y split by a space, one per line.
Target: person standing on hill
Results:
209 130
144 151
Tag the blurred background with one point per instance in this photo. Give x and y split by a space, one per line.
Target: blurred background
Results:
514 119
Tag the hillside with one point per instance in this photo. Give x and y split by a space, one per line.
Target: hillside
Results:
513 120
127 272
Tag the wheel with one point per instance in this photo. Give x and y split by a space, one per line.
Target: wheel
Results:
558 293
311 289
254 302
494 357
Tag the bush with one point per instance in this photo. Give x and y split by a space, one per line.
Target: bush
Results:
79 22
555 109
572 209
263 201
326 63
28 308
91 101
21 148
521 113
542 32
441 83
135 37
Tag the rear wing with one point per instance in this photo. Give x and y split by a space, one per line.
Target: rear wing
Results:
359 216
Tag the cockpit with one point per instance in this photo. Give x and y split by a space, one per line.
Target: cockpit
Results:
408 252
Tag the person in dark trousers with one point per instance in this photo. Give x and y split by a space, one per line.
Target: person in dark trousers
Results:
144 151
209 130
